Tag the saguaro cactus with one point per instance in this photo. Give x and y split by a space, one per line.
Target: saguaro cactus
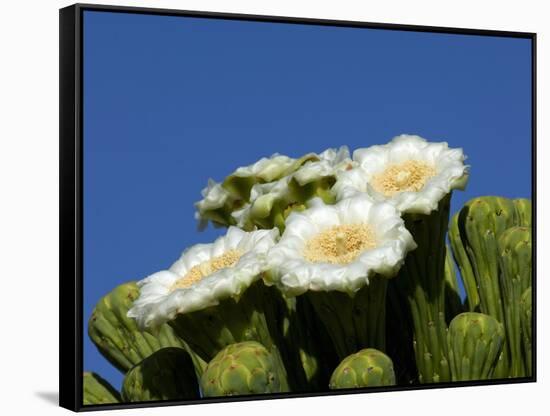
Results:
117 337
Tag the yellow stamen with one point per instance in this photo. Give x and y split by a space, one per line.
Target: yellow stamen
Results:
411 175
200 271
340 244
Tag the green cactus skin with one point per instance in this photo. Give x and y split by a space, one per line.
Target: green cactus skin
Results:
474 235
465 266
524 212
310 353
209 330
400 335
526 312
514 249
118 338
240 369
167 374
366 368
353 322
453 304
96 390
421 286
475 342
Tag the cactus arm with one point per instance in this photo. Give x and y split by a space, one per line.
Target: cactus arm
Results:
526 312
464 264
524 212
117 337
515 262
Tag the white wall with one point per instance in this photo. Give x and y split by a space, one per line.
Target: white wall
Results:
29 203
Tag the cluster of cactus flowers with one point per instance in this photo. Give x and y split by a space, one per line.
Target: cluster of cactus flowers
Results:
334 273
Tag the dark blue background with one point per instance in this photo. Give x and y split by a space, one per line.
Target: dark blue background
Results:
172 101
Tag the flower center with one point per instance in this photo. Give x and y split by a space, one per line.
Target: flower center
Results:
206 268
411 175
340 244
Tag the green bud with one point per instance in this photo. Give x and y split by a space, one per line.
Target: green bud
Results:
475 341
241 368
366 368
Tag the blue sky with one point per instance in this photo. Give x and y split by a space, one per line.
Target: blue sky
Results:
170 102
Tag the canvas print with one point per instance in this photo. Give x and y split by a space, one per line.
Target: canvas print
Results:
276 207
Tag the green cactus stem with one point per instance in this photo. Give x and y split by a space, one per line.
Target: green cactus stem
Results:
453 304
311 347
474 232
240 369
514 249
475 342
524 212
353 321
400 335
366 368
97 390
257 315
463 261
526 312
118 338
167 374
421 285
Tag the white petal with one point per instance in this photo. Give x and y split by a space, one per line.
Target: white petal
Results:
451 172
295 274
159 302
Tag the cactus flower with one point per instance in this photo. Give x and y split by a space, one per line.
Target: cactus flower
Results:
338 247
410 172
271 202
340 257
205 274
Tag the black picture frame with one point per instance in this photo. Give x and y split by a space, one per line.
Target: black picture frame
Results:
71 195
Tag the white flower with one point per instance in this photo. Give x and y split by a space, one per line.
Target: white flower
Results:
215 197
204 275
264 195
338 247
330 162
409 172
